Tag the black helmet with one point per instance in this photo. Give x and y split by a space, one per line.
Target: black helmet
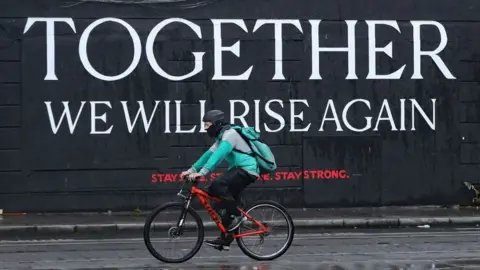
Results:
215 116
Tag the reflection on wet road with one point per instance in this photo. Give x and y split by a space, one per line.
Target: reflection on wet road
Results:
391 249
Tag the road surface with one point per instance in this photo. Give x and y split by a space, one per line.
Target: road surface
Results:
360 249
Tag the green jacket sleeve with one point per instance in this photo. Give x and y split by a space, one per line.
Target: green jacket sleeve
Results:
201 161
223 149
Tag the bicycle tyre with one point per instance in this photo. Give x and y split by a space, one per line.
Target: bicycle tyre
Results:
291 231
151 217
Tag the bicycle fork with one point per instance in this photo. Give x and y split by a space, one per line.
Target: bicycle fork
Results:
183 215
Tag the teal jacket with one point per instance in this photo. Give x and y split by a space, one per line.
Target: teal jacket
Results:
221 150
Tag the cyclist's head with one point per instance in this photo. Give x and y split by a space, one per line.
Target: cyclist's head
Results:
214 121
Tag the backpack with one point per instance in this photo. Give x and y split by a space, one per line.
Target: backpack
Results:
261 151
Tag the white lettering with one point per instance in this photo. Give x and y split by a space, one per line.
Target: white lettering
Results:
372 51
316 49
141 110
299 116
50 36
167 116
415 105
278 42
82 50
218 49
331 105
345 119
202 113
241 117
66 112
389 117
275 115
402 114
151 56
94 117
178 109
294 115
417 51
257 114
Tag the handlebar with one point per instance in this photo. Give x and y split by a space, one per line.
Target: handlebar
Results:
193 182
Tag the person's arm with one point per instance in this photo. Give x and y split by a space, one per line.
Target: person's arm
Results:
224 148
203 159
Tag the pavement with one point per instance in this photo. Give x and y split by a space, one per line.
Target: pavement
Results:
340 218
399 248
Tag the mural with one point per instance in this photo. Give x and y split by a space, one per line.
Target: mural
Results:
219 50
101 104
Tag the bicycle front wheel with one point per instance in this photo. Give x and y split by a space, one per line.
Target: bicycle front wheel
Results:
279 236
162 230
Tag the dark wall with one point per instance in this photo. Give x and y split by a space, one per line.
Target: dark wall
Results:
397 163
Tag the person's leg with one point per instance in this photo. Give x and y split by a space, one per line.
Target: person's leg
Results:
236 185
223 240
218 188
229 187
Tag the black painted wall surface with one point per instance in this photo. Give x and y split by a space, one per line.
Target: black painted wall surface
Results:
41 170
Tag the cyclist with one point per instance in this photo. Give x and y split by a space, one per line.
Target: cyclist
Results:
243 171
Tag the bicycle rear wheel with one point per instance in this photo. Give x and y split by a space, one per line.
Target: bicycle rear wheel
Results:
273 224
169 216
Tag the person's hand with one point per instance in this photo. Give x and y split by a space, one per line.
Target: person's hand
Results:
192 176
185 173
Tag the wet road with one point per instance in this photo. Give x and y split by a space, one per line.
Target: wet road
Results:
386 249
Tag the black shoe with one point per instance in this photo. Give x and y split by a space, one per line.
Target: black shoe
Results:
236 222
220 243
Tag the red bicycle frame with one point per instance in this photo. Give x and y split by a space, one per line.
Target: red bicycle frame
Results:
203 198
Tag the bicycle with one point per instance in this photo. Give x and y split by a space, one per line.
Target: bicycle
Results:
181 225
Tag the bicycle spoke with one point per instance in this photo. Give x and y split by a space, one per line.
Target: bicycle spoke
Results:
162 234
268 244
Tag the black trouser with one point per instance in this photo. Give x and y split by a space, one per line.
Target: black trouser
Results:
229 187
